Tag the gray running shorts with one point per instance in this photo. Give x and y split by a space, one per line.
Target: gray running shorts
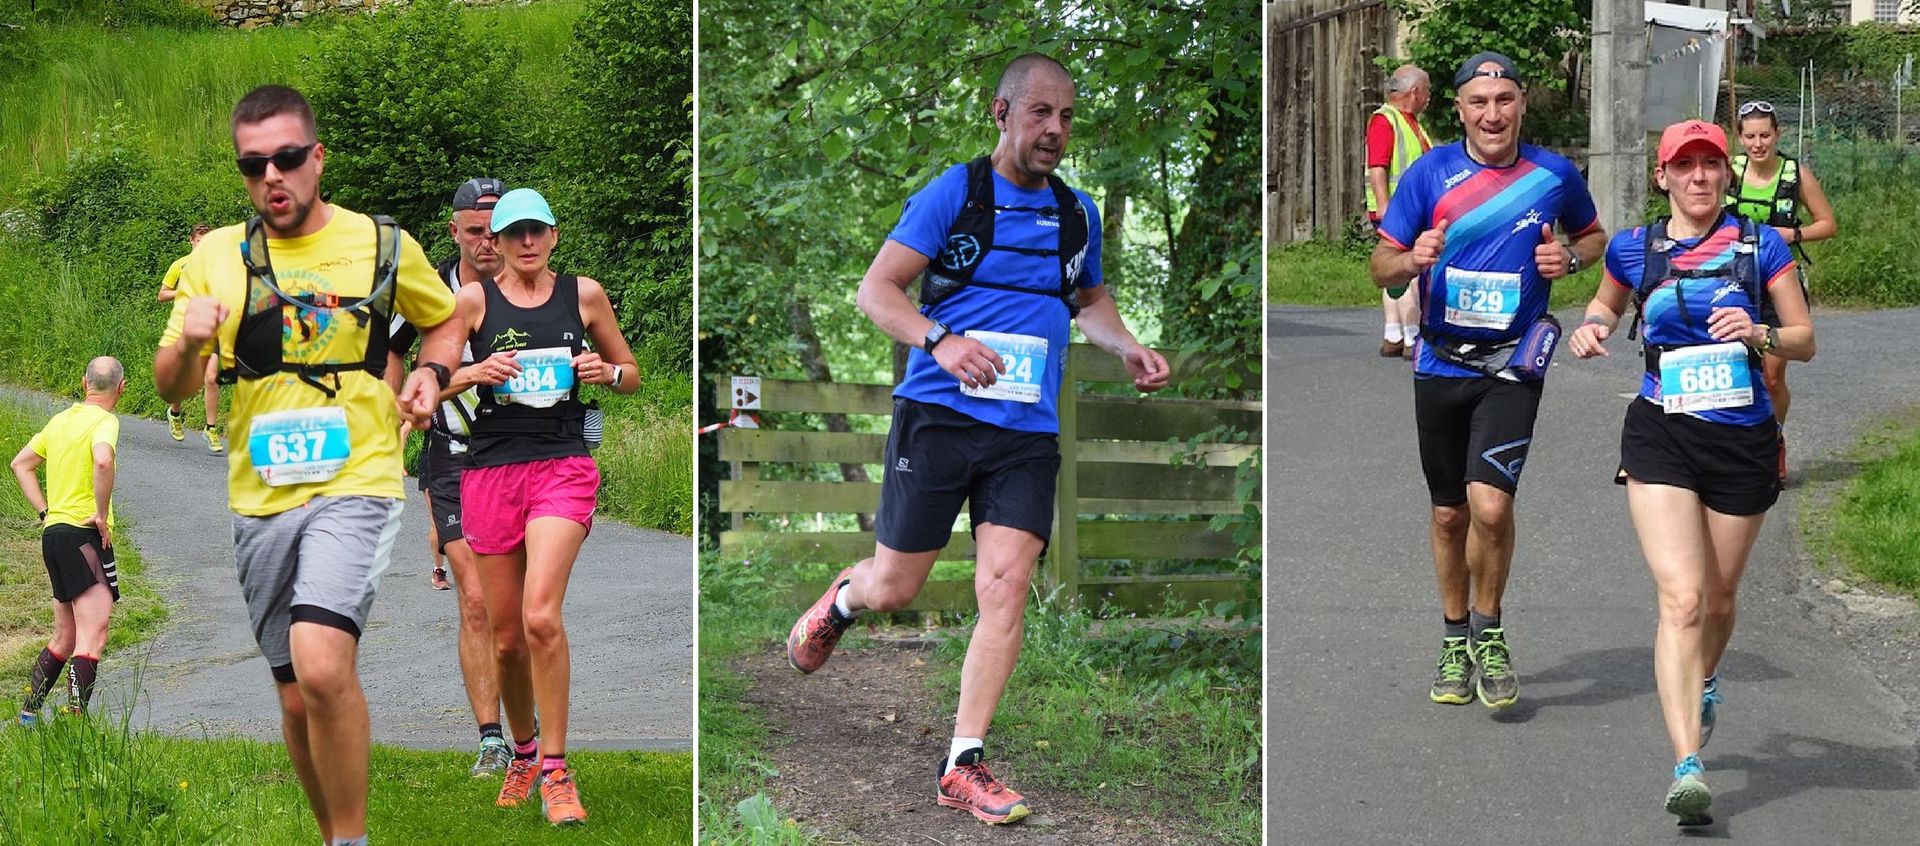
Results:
319 563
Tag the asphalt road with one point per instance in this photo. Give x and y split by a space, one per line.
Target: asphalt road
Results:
629 616
1811 748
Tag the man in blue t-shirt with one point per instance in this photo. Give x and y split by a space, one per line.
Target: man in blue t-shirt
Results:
1474 221
1009 254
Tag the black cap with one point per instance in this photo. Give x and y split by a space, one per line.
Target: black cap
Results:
1470 69
467 197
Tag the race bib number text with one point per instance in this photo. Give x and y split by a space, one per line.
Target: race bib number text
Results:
1026 360
546 377
1706 377
301 446
1482 299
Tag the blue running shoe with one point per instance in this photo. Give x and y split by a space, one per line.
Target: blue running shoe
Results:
1689 798
1708 699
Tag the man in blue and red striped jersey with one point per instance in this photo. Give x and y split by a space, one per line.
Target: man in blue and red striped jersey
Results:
1474 222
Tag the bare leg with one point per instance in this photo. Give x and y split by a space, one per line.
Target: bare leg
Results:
336 723
502 580
889 580
552 545
478 665
1774 370
1489 545
1449 537
1672 526
1002 572
1732 538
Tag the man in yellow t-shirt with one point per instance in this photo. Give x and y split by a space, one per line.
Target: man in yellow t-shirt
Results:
76 536
176 417
297 303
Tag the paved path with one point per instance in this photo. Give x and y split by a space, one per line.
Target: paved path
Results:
629 619
1812 747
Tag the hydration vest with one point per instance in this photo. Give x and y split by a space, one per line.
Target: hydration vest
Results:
258 345
1657 267
1784 208
971 238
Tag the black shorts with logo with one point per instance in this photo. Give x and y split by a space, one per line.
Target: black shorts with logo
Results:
76 561
1473 429
938 457
1734 469
440 472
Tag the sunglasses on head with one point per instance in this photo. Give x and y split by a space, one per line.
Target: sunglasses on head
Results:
1760 106
286 159
523 228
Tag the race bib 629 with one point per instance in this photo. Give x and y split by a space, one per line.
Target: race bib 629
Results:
1482 299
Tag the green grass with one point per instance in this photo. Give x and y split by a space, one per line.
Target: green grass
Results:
646 464
1875 521
1158 717
185 82
1322 273
26 607
1094 707
87 782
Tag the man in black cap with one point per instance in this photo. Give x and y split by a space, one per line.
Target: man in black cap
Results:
1474 222
445 455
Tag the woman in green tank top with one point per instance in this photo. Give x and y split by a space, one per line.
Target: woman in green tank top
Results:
1773 189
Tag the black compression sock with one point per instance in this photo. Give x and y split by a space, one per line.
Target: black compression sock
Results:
491 730
46 671
80 681
1455 628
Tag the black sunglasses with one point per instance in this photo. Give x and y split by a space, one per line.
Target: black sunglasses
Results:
522 228
288 158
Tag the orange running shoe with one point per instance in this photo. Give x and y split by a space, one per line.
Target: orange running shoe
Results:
817 631
560 798
519 782
971 788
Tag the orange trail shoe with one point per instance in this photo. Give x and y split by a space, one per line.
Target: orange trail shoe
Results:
519 782
971 788
817 631
560 798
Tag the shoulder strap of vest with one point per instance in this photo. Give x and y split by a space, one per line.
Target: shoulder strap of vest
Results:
1655 260
1074 235
1746 261
386 270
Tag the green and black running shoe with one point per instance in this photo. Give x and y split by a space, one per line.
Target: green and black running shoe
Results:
1498 685
1689 798
1453 678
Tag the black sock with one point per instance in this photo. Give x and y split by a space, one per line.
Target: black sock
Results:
491 730
1455 628
1481 622
46 671
80 680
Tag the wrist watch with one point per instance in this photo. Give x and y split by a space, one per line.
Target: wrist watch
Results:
43 515
1573 261
616 377
934 336
440 373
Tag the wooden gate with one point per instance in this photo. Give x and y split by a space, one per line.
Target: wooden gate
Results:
1121 495
1322 85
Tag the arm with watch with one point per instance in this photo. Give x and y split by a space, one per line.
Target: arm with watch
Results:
24 465
883 298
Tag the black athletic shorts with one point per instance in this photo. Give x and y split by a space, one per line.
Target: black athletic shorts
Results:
937 457
1734 469
76 561
1473 429
440 472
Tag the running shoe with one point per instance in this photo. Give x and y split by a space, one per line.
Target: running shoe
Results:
521 773
1709 698
214 445
1453 679
816 632
440 578
1689 798
969 787
176 425
560 799
1499 687
493 758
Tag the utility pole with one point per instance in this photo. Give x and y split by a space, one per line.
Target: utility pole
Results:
1617 120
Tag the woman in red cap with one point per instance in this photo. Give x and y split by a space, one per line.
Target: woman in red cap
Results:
1699 446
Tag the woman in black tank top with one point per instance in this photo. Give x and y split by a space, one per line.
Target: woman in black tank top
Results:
528 490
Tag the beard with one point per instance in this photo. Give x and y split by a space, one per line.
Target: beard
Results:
288 221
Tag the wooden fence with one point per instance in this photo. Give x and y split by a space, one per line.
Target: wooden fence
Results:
1116 467
1322 84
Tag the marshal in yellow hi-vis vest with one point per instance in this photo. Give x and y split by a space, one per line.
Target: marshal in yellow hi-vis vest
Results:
1408 143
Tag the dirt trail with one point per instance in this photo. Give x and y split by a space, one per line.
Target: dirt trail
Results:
857 744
